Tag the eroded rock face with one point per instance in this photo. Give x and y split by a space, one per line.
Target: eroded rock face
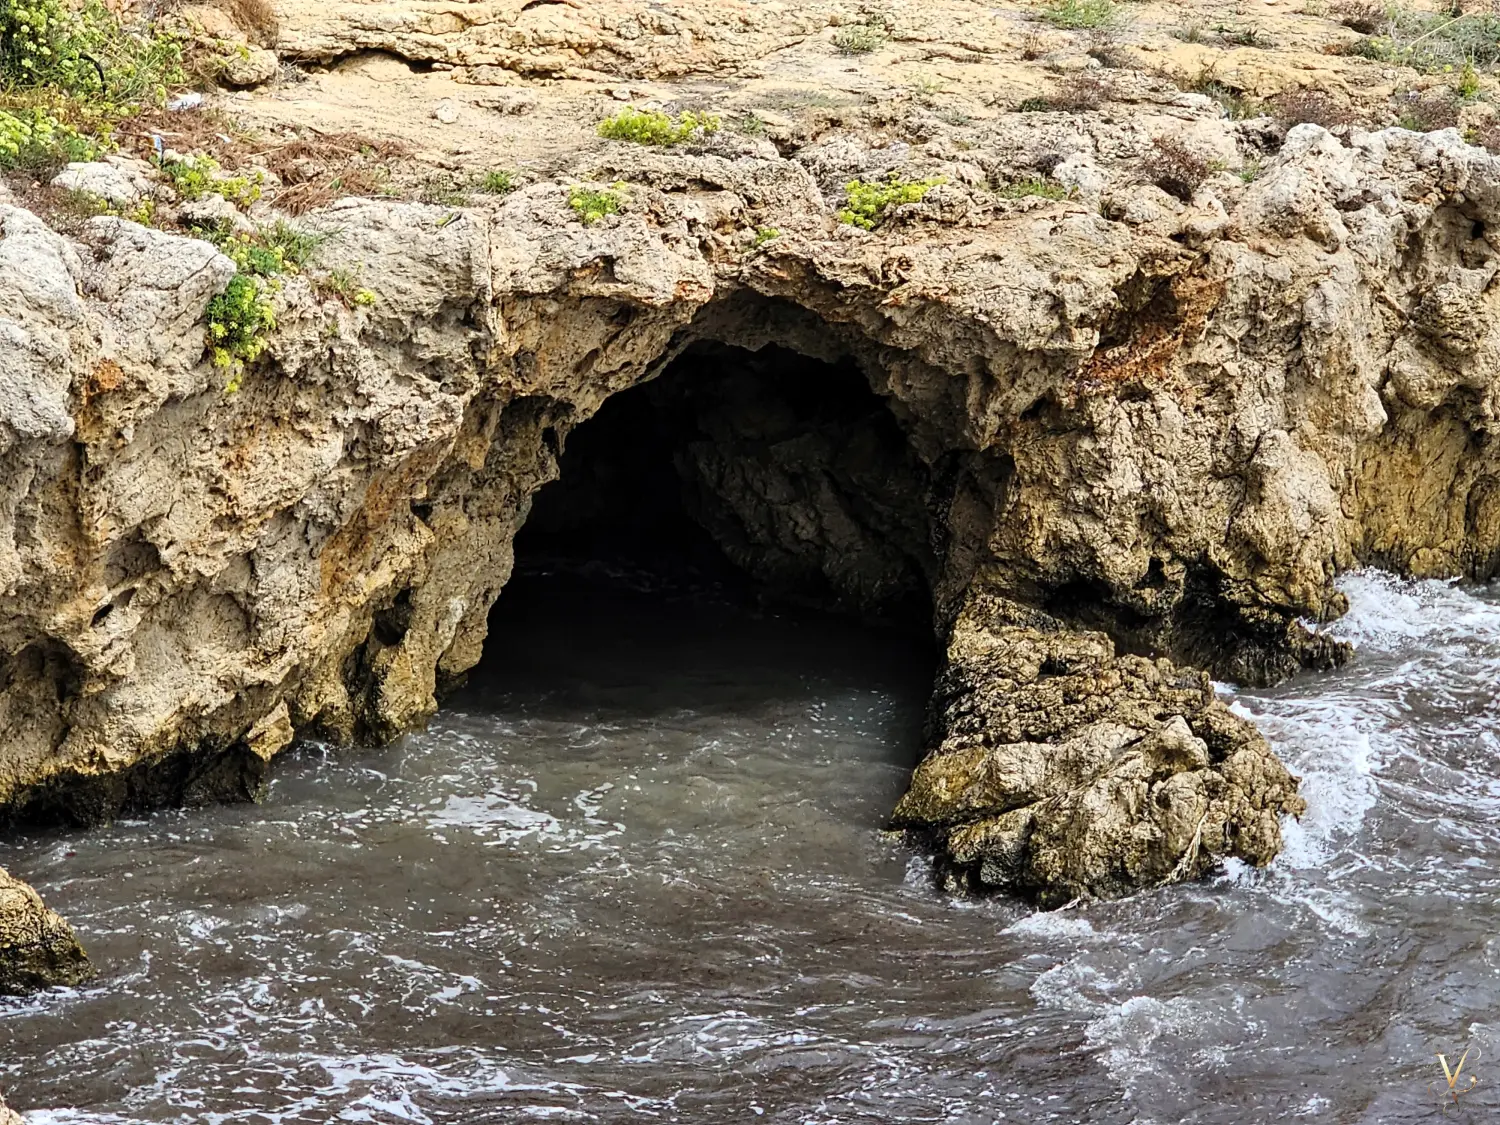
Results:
1062 769
1174 432
37 948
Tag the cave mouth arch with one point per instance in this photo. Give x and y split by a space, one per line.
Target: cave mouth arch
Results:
769 472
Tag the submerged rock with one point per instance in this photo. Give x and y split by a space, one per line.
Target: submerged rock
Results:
37 948
1064 770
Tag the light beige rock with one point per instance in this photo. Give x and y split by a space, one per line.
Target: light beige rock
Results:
1171 421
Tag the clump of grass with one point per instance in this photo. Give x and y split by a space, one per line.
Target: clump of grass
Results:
592 204
1175 168
1082 15
1111 57
444 189
652 127
1250 170
750 125
1189 33
346 286
1232 100
859 39
497 181
867 201
294 245
1078 94
1037 187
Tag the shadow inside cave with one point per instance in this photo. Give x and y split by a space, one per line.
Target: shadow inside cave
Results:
690 511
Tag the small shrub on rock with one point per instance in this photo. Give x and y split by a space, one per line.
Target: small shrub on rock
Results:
1175 168
1310 107
238 320
34 140
652 127
866 201
592 204
858 39
1427 112
193 177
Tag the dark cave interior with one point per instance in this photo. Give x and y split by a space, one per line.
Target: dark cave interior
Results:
768 473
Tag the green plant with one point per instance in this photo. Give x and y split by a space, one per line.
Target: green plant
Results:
345 285
592 204
1077 15
751 125
652 127
1430 42
1467 87
1250 170
195 176
32 139
294 246
238 320
85 50
497 181
858 39
1038 187
765 235
866 201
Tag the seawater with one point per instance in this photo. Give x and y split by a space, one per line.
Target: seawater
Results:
634 872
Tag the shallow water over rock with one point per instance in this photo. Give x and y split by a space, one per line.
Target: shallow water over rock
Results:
634 872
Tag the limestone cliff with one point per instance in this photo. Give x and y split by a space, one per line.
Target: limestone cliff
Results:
1165 422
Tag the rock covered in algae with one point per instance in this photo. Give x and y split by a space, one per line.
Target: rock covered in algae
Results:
1064 770
37 948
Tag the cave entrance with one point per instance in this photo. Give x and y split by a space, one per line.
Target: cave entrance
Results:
766 473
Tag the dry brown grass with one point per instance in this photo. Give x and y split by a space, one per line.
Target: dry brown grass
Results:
317 171
1299 107
1080 94
1175 168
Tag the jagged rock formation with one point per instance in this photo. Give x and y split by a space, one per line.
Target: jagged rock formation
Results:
1060 769
37 948
1169 422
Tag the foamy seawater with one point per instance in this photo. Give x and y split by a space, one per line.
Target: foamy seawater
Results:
635 873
